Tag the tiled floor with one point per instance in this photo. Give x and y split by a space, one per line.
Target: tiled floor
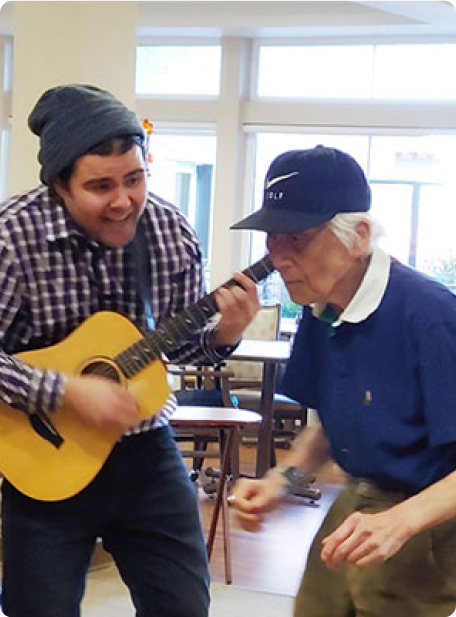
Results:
107 597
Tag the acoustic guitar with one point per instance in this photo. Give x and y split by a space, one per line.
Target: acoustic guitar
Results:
51 459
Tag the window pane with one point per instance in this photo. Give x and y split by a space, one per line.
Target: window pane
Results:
182 172
184 70
392 207
419 159
413 185
436 246
415 72
358 71
333 71
414 202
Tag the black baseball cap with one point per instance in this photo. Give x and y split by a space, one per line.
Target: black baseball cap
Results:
306 188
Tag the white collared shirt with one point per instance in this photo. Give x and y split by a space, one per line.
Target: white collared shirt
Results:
368 295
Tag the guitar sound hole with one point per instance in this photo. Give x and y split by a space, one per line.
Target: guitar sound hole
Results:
103 369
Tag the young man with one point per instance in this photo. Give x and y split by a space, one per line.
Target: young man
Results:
375 354
66 254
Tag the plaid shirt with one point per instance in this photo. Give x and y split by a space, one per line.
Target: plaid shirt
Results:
52 277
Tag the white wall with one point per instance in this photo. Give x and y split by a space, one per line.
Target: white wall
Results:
60 43
5 111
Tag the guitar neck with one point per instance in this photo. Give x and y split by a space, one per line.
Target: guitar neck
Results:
174 331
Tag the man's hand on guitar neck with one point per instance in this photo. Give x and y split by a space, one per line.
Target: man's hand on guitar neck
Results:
101 403
237 306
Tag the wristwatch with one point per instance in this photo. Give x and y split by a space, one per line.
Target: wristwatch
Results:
297 483
291 475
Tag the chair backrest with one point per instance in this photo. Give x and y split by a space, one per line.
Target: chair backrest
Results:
265 326
206 386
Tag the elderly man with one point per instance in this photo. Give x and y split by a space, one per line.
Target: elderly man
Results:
375 354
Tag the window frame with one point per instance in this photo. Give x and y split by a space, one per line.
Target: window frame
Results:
238 116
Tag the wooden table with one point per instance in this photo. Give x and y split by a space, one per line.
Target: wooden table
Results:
226 421
271 354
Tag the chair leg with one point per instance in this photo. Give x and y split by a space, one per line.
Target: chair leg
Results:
273 457
199 444
235 464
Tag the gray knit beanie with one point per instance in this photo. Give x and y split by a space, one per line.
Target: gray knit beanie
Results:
69 120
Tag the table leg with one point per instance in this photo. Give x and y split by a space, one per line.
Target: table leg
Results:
267 410
222 502
225 514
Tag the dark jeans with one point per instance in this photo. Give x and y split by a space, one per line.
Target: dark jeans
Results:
144 508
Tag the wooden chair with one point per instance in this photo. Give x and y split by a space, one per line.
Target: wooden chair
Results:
204 386
289 415
266 327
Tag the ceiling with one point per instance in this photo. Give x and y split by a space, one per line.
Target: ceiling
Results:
309 19
290 19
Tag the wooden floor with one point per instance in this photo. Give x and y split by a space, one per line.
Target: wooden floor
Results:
273 558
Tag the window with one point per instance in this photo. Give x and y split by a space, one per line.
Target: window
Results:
411 188
412 197
315 71
182 172
414 72
392 207
296 91
383 71
178 70
436 252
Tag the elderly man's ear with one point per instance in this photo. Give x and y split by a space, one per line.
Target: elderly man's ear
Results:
362 243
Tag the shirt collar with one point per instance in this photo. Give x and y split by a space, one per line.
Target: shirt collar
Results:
368 295
59 224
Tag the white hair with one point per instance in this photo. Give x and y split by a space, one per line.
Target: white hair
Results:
343 226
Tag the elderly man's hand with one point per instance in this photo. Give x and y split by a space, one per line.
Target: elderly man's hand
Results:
364 539
253 498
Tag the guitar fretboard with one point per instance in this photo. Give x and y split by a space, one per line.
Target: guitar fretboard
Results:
173 332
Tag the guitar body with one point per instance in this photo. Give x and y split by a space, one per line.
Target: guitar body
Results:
36 467
105 344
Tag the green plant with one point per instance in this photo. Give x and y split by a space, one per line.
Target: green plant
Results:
291 309
444 270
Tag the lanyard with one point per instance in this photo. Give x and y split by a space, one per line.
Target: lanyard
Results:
141 261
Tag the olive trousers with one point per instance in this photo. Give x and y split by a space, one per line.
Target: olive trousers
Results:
418 581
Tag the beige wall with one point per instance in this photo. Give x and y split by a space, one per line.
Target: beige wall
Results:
60 43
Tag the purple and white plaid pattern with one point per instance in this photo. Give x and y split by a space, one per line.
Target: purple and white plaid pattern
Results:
52 278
